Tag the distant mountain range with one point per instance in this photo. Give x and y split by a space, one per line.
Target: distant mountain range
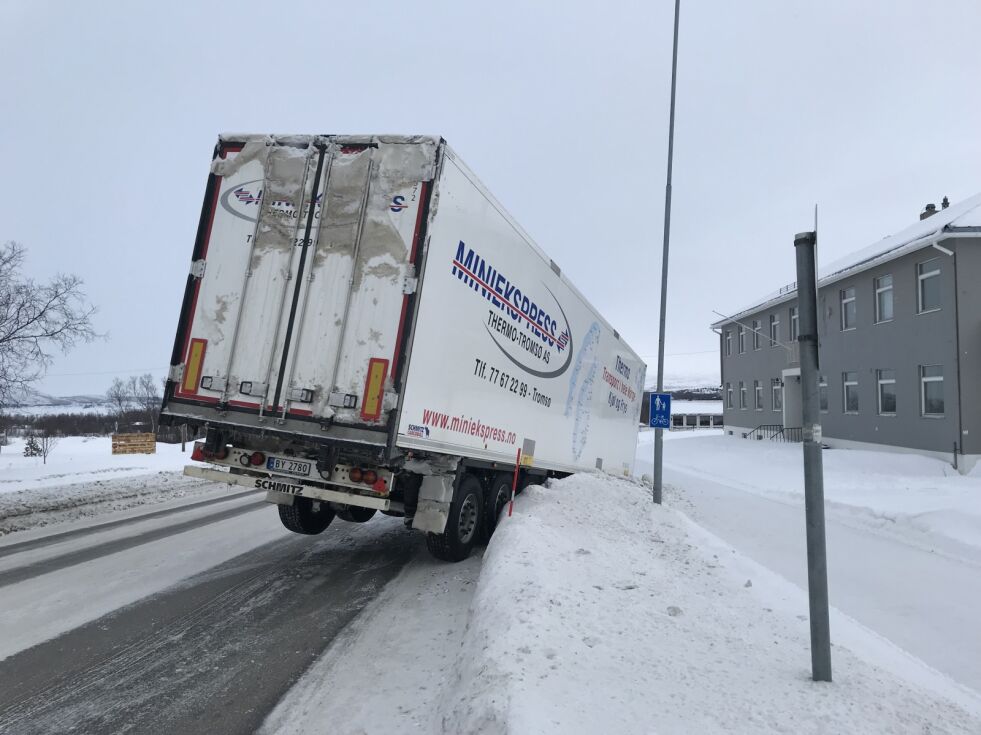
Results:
31 401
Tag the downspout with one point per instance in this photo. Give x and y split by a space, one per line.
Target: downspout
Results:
959 441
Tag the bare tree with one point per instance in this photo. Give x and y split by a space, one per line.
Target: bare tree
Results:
120 397
148 398
47 442
35 319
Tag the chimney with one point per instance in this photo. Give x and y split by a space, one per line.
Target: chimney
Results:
945 203
928 211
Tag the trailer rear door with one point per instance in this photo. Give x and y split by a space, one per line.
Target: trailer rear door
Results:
302 282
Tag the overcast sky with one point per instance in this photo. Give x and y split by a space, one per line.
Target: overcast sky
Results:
110 111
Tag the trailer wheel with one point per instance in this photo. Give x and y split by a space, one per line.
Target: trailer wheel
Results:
355 514
303 517
498 496
464 525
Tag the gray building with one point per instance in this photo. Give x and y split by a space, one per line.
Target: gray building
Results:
899 328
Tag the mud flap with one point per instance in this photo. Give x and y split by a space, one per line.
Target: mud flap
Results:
435 497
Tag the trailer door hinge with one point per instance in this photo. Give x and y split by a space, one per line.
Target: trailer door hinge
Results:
176 373
197 268
410 283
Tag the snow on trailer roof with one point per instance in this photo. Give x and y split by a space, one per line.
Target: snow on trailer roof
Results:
964 216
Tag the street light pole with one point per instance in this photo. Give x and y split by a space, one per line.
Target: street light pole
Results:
658 433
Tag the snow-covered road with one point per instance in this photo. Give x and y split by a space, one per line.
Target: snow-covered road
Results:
920 600
918 590
196 619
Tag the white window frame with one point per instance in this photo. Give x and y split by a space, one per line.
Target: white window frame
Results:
794 323
728 395
881 290
774 330
758 395
742 395
845 383
728 343
741 339
842 302
776 389
924 379
757 333
823 383
881 381
920 278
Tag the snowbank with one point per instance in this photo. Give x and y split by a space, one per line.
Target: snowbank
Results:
893 491
596 612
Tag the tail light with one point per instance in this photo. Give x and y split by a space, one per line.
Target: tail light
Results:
369 477
257 458
355 474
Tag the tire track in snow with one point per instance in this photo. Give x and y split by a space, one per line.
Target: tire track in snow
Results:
19 574
66 535
214 654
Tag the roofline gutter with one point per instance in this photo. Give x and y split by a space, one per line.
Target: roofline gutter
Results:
931 240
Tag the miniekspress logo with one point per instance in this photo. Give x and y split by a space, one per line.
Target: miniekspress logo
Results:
531 334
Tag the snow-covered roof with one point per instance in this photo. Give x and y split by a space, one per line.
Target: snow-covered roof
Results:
964 216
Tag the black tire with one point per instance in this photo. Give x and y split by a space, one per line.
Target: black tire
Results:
464 525
355 514
302 517
497 498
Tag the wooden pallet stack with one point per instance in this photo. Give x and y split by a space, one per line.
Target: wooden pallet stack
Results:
134 444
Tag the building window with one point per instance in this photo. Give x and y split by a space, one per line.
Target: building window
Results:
883 299
849 392
823 394
794 324
932 390
776 388
728 340
741 339
742 394
886 382
728 395
774 330
757 328
847 308
758 395
928 285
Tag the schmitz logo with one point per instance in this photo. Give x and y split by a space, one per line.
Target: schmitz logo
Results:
279 487
420 431
245 202
526 329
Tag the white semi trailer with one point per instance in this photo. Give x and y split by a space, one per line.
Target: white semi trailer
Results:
365 328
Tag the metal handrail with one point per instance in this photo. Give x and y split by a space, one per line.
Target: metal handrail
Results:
777 432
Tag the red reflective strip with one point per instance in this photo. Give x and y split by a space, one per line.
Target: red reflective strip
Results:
244 404
423 190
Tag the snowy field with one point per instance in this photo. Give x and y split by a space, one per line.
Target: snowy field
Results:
903 493
82 477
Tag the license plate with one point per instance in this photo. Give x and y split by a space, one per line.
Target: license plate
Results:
288 466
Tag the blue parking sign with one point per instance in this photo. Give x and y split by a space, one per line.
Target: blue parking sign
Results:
660 410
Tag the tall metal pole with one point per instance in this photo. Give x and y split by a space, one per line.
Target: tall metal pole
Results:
658 433
817 558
